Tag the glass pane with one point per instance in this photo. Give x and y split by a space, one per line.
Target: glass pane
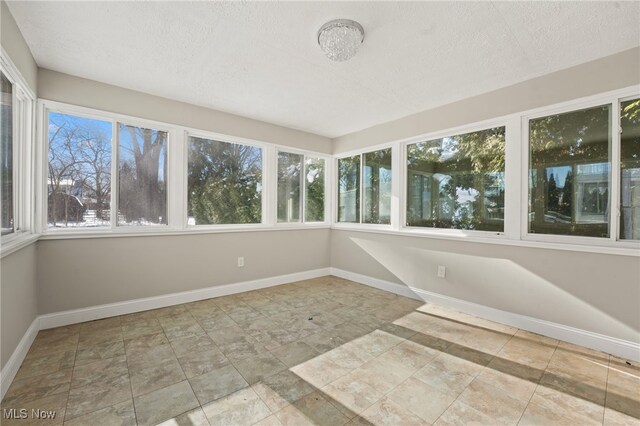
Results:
630 165
314 190
79 183
457 182
569 173
289 184
6 154
349 189
142 172
377 186
224 183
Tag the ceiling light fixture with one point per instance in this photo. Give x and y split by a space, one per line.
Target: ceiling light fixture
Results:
340 39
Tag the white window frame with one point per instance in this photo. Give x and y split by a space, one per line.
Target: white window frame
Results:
613 99
177 158
266 167
471 128
23 141
327 177
46 107
516 183
336 179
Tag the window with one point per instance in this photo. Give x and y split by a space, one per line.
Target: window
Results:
314 177
300 188
79 183
457 181
6 154
142 173
224 183
375 180
377 186
630 170
569 168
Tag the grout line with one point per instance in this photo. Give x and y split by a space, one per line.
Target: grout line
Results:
606 390
539 380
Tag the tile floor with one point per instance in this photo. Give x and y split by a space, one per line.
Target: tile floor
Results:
323 351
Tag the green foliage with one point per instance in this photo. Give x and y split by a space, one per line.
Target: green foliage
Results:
224 182
314 201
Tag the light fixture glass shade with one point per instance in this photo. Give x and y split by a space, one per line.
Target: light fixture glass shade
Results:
340 39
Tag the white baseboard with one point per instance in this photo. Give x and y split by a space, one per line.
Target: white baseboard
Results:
15 361
610 345
91 313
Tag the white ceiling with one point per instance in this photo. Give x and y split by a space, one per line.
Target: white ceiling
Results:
261 60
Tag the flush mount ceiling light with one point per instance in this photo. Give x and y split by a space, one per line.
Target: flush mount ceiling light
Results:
340 39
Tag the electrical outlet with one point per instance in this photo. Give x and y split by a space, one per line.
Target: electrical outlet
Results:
442 271
240 262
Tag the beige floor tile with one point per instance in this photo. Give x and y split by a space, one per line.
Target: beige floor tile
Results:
616 418
411 354
272 420
351 395
313 409
120 414
383 375
537 414
97 395
89 354
243 407
217 384
37 387
143 358
99 371
319 372
518 380
577 409
143 343
294 353
421 399
52 408
282 388
623 391
448 373
459 413
376 342
165 403
156 376
493 402
46 363
190 418
347 356
198 363
387 412
258 367
192 344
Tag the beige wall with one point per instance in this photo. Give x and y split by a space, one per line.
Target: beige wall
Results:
85 272
18 301
609 73
15 46
18 306
60 87
594 292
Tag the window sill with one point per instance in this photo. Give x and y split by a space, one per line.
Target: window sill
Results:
484 237
191 230
16 242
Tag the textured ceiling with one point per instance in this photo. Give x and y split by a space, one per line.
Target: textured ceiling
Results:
261 59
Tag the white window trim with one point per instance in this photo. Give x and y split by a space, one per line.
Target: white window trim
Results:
177 157
395 181
613 99
327 201
24 126
516 169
